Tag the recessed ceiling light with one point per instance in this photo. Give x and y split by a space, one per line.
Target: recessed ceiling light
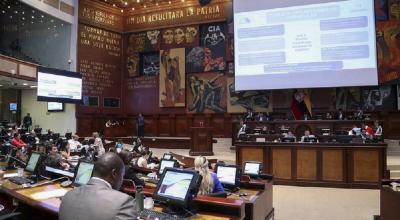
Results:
42 16
1 85
169 2
133 9
33 16
138 1
3 11
8 6
33 86
25 84
126 3
145 6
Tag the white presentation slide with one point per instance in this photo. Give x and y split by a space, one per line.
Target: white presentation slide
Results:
56 86
304 44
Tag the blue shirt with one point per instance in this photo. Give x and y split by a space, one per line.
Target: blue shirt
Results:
217 184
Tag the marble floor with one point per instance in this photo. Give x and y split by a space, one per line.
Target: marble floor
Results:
307 203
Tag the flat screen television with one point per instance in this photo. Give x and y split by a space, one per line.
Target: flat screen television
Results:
59 86
13 106
55 107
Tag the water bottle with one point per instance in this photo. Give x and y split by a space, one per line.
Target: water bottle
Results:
139 197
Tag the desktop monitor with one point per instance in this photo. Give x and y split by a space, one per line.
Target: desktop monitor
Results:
33 162
228 175
37 130
168 156
310 140
56 172
325 131
284 130
252 168
288 139
166 163
177 187
83 173
68 135
22 131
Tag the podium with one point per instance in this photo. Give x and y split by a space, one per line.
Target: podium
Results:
201 141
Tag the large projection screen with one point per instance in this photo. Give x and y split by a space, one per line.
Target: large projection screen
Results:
304 44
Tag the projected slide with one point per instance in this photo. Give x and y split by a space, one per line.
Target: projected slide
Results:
56 86
304 44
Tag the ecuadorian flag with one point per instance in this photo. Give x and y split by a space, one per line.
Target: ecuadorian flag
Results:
301 104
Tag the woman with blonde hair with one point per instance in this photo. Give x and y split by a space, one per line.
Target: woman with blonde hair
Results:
210 182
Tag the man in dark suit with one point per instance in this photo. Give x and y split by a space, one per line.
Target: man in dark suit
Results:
340 115
99 199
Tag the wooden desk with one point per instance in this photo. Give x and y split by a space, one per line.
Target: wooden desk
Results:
390 201
226 207
318 164
48 209
258 202
299 126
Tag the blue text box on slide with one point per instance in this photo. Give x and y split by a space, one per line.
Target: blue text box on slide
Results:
345 52
262 58
274 30
304 67
344 23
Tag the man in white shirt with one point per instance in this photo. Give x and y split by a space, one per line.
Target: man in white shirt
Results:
74 144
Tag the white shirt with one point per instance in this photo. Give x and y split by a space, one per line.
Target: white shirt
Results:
100 179
99 144
379 130
141 162
73 145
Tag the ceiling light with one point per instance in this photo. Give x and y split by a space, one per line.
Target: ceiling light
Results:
3 11
144 6
126 3
138 1
33 16
8 6
23 12
23 18
51 20
122 10
169 2
25 84
182 0
1 85
42 16
156 3
33 86
133 9
113 5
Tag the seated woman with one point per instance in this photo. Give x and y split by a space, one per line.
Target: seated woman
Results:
119 146
210 182
98 144
130 173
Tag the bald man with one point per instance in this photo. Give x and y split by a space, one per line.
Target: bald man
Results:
99 199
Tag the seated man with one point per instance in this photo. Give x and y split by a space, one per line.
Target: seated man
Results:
355 131
260 117
242 130
55 159
307 134
17 142
73 144
100 198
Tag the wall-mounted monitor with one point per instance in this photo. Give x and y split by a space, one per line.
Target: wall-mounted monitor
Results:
59 86
55 106
13 106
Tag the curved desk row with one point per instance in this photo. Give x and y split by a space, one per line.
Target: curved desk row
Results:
318 164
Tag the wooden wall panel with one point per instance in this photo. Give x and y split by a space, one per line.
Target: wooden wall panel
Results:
164 126
307 164
366 165
217 122
150 126
332 165
281 163
181 126
251 154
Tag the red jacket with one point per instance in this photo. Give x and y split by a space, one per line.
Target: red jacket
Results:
18 142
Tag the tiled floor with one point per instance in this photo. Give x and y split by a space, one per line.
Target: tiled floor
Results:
309 203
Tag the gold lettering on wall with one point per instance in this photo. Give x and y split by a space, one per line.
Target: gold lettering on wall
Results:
190 14
99 16
101 39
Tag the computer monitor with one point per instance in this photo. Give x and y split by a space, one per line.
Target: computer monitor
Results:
166 163
177 187
284 130
56 136
252 168
168 156
22 131
68 135
310 140
325 131
288 139
33 162
38 130
83 173
229 176
58 172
